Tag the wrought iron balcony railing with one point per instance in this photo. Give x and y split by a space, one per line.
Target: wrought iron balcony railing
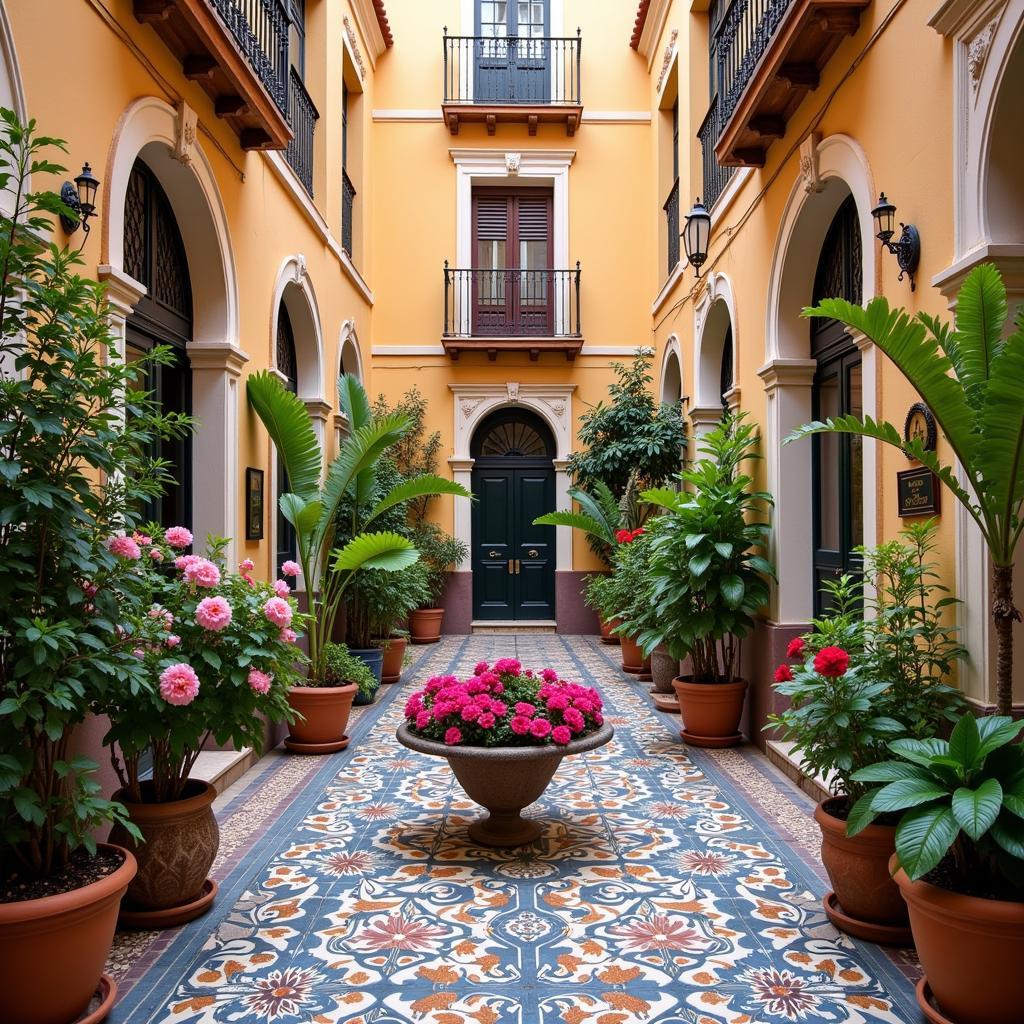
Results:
348 198
716 177
671 209
302 119
508 70
512 303
260 27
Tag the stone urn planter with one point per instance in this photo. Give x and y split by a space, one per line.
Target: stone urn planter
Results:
180 841
865 901
425 625
325 711
394 657
52 951
633 660
971 951
664 668
504 780
711 711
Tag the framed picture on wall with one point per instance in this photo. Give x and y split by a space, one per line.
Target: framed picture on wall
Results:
253 504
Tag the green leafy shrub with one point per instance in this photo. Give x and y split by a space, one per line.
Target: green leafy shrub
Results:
343 669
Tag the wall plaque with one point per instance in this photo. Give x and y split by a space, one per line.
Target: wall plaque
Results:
918 491
253 504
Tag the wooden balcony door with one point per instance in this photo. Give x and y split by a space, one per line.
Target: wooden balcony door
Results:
512 51
513 287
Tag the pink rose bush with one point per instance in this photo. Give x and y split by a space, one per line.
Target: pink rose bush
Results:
504 705
218 651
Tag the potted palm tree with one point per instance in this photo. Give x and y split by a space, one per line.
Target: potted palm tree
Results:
972 379
313 510
707 580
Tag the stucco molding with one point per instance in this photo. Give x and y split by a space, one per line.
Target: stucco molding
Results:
294 288
710 330
654 27
12 91
673 351
348 346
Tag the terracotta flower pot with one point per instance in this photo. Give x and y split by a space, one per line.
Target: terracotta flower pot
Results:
633 660
52 950
425 625
866 902
711 712
325 711
394 656
971 950
180 842
504 780
607 636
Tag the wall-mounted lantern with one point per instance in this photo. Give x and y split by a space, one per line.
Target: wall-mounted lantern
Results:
696 234
907 249
81 198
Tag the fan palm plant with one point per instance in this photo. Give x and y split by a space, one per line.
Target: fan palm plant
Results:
972 378
312 507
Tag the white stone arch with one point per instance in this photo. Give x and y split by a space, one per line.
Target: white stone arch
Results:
165 138
553 403
843 170
671 389
294 289
12 92
715 316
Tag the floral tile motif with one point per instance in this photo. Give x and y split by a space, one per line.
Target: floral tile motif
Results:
659 893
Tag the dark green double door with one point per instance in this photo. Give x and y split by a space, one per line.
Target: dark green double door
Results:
513 560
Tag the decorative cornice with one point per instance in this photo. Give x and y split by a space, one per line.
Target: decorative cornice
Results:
528 158
954 18
123 291
318 409
704 415
787 373
357 55
666 61
224 357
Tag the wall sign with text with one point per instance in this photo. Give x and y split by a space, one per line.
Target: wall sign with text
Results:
919 492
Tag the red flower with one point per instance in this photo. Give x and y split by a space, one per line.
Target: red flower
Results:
795 648
783 674
638 532
623 536
831 661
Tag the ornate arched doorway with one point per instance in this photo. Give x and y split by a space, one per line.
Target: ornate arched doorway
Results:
154 255
288 366
514 481
837 470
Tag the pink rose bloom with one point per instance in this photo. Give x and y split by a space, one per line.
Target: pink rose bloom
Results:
281 588
598 718
214 613
470 712
182 562
138 653
499 708
510 666
549 675
203 573
559 702
278 611
178 537
291 569
249 580
156 554
481 668
540 727
561 734
422 719
574 719
179 684
141 538
486 720
520 725
453 736
124 547
173 640
288 636
525 710
246 565
259 681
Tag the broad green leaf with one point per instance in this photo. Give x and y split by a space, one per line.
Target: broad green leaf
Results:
920 751
996 731
388 551
964 741
1008 832
354 402
861 814
923 838
904 793
976 809
980 317
889 771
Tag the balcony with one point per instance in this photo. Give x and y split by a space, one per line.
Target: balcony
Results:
715 176
512 310
766 56
531 81
237 50
671 209
302 117
348 199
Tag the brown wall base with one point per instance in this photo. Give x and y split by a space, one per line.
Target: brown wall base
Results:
457 602
765 651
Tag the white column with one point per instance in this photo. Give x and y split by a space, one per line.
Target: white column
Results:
703 419
123 293
462 473
563 534
320 413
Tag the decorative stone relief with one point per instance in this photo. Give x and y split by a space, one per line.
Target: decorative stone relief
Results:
809 164
185 133
350 32
300 268
667 59
468 406
512 163
977 52
513 392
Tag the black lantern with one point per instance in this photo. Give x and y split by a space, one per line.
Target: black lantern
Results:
907 249
81 198
696 233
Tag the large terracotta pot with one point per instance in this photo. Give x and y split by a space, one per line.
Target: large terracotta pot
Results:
504 780
607 636
971 950
325 711
866 902
180 840
633 660
52 951
711 712
425 625
394 656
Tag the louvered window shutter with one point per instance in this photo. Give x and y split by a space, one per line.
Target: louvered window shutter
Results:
534 220
491 218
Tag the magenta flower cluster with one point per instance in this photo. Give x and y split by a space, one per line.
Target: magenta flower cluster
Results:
504 705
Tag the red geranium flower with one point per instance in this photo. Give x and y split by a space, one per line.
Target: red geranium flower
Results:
795 648
623 536
783 674
831 661
638 532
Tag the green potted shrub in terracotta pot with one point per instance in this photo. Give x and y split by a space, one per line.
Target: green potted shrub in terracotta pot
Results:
344 669
959 863
441 554
222 663
626 589
71 467
504 732
706 580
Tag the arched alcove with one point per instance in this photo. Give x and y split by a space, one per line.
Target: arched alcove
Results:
671 373
1003 196
350 359
294 291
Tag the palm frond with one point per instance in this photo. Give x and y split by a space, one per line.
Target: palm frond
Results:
425 485
388 551
575 520
354 401
291 429
980 318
